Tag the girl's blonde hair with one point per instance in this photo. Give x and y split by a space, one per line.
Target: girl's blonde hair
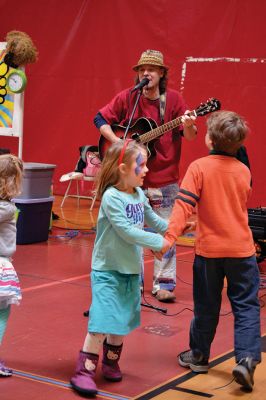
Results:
109 173
11 169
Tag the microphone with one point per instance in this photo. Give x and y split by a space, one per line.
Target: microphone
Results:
140 85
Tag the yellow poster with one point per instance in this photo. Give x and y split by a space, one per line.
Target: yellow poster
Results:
7 101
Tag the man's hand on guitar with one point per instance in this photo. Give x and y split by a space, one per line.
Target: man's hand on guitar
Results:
107 132
188 120
189 127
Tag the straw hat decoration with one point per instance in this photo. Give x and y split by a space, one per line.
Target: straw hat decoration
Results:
20 49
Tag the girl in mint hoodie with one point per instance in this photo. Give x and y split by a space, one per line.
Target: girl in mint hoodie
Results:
116 261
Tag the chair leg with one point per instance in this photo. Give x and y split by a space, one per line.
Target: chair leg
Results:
66 193
93 202
78 192
77 195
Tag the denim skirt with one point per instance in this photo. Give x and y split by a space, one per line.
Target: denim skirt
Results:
115 307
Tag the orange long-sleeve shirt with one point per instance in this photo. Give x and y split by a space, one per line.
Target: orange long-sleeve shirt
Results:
220 186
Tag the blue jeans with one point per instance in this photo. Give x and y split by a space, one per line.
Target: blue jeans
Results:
162 202
242 276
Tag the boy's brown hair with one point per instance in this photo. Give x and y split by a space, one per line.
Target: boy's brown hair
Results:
227 131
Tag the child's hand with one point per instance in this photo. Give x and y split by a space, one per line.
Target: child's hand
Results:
190 226
166 246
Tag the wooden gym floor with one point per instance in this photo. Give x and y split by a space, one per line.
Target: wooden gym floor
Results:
47 330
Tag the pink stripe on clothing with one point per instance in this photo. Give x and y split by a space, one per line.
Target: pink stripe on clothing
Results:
9 283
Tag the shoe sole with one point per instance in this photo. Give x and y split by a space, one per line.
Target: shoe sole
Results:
200 369
242 377
84 391
5 375
112 379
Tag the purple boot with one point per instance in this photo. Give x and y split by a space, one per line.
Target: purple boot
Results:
5 371
83 380
110 367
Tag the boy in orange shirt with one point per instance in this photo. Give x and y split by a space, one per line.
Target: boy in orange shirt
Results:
219 185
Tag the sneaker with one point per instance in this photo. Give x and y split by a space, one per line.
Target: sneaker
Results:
197 363
244 373
4 371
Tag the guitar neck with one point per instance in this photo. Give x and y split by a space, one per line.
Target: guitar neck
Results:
160 130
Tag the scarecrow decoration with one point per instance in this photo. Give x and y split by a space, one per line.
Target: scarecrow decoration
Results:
20 51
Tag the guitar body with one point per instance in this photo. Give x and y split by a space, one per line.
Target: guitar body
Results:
146 131
141 126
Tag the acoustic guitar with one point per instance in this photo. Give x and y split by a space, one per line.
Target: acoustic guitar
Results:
146 131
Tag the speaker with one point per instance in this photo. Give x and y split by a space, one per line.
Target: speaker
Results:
257 224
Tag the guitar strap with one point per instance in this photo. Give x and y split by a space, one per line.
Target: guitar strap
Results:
162 106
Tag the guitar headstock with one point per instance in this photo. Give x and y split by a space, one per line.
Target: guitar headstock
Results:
210 106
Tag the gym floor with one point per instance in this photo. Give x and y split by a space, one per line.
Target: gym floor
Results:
46 332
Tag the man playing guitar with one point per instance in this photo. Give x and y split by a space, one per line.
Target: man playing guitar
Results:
161 183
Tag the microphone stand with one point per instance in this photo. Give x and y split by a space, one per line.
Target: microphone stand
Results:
133 112
163 310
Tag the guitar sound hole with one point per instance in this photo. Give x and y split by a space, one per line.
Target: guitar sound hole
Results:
135 136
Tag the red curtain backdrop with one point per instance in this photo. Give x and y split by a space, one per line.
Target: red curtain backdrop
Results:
86 51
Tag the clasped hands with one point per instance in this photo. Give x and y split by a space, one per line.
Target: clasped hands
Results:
190 226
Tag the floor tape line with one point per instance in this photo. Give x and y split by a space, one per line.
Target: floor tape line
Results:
65 385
